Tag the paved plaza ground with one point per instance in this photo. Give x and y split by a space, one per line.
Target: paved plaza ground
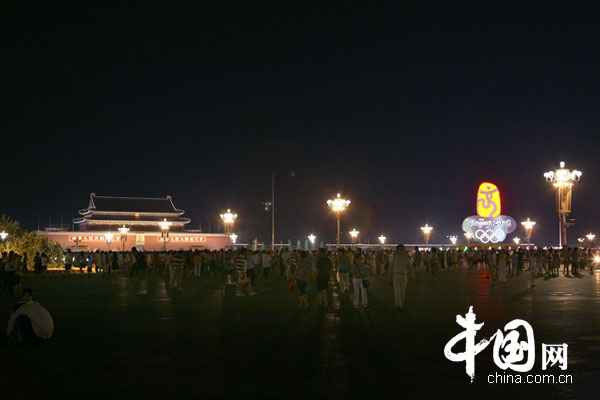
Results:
200 342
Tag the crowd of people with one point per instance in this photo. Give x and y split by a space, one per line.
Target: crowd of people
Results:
351 269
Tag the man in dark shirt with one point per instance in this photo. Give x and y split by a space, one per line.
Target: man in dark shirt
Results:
141 267
324 267
177 263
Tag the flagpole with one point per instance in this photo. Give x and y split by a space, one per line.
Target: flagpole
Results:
273 212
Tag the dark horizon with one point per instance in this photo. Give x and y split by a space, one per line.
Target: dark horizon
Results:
405 110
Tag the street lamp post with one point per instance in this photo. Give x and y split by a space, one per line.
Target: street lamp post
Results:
468 236
528 225
453 239
563 179
312 239
426 233
228 219
109 239
590 236
382 239
123 231
517 240
353 234
164 232
233 238
338 205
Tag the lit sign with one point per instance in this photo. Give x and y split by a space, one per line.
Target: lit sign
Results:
183 239
488 200
92 238
488 226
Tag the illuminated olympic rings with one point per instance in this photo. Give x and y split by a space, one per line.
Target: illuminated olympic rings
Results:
488 235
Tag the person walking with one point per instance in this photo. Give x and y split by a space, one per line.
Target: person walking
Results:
502 259
250 264
514 262
533 267
324 267
417 263
358 270
302 275
197 263
68 261
178 261
266 263
343 269
492 263
142 269
401 265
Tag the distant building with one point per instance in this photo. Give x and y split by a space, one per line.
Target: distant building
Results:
137 213
98 226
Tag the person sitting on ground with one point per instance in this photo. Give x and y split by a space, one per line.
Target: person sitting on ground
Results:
30 322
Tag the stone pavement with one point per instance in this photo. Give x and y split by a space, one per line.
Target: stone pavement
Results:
204 342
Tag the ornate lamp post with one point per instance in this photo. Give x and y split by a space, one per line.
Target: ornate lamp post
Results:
468 236
426 233
228 219
528 225
517 240
233 238
590 236
312 239
164 232
109 239
123 231
453 239
382 239
353 234
338 205
563 179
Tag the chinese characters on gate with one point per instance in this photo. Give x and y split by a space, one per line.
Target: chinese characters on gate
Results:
509 351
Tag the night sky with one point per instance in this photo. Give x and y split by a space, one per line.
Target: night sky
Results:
403 109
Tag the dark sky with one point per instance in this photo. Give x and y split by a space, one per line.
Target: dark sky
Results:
404 109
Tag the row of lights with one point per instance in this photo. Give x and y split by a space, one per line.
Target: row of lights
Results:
561 178
527 224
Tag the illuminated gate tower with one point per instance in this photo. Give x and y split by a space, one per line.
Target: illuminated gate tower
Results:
489 226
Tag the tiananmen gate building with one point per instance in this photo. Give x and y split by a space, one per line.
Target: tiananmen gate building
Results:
99 227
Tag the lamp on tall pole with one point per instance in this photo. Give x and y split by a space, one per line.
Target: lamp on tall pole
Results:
563 179
528 225
164 232
123 231
453 239
233 238
312 239
468 236
590 236
338 205
354 234
109 239
228 219
426 233
517 240
382 239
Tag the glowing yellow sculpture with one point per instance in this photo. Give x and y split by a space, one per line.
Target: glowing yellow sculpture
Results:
488 200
